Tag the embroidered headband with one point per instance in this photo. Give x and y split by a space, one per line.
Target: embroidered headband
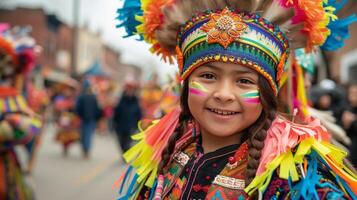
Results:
228 36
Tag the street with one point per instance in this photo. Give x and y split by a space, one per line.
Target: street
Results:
56 177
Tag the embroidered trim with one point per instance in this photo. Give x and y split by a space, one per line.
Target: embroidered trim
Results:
229 182
181 158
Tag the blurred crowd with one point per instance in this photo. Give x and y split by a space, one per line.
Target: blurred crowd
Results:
80 112
338 104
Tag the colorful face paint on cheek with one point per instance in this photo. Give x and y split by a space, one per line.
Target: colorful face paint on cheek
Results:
251 97
197 89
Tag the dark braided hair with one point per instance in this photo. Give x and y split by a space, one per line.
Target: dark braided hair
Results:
258 131
184 118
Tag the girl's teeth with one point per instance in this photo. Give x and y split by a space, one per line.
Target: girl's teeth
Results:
222 112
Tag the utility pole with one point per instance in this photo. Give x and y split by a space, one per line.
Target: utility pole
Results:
75 32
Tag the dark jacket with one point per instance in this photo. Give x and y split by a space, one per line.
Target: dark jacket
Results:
352 133
127 114
87 107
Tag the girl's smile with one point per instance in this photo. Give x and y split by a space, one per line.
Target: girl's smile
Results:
222 114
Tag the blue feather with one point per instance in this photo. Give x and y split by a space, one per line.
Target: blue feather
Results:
338 28
127 17
339 33
131 190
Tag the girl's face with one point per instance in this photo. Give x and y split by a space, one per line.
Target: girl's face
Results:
224 98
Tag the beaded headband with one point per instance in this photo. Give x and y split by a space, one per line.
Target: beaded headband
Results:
229 36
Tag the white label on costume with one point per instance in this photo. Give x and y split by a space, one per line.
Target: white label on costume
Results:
181 158
229 182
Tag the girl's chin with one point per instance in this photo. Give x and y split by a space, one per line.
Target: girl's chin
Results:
222 131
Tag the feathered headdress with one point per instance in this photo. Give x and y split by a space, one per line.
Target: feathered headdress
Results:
257 34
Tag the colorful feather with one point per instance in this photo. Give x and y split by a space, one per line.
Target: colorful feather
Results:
127 15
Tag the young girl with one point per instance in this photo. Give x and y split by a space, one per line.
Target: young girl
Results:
227 140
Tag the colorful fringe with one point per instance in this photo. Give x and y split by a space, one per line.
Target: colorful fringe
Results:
285 136
145 156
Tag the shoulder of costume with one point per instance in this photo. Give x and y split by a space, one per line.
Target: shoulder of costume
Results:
292 147
145 156
11 101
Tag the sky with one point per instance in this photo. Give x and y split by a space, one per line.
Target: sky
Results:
100 16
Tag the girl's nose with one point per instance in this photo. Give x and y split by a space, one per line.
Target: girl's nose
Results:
224 92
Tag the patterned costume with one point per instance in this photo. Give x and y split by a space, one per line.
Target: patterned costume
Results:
18 124
296 162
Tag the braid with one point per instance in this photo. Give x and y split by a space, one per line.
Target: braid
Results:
184 117
256 144
169 149
258 131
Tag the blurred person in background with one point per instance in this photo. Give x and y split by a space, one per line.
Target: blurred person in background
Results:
18 123
127 114
328 96
67 121
151 96
88 110
349 121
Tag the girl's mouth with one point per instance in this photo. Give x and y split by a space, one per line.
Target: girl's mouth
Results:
222 112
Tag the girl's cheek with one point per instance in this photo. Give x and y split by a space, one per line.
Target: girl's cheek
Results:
197 89
251 97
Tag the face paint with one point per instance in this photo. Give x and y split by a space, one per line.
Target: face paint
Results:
251 97
197 89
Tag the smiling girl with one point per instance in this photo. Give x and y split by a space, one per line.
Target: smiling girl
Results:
227 140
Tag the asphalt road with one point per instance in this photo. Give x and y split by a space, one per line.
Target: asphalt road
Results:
56 177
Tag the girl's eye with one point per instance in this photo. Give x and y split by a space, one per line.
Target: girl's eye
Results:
245 81
207 76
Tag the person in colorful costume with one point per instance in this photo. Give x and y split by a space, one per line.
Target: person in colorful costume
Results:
18 124
227 140
151 95
67 122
